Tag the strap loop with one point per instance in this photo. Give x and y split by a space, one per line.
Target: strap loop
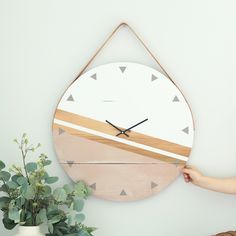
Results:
109 38
144 45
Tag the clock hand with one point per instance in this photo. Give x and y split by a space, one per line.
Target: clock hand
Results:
131 127
121 131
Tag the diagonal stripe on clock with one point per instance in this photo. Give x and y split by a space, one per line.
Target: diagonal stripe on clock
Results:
118 142
133 136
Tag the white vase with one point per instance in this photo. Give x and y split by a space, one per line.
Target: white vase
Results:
29 231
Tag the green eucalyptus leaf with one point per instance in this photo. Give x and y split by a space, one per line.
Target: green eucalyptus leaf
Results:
20 201
88 191
78 204
55 219
33 179
8 223
47 162
81 190
52 208
50 227
23 188
79 218
59 233
12 185
90 229
2 165
12 204
14 214
4 188
47 191
31 166
51 180
45 175
69 220
41 216
21 180
68 188
30 193
4 202
15 177
60 194
4 175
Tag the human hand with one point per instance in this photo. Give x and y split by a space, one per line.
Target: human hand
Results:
223 185
192 174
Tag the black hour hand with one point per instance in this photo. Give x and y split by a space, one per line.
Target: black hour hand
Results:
121 131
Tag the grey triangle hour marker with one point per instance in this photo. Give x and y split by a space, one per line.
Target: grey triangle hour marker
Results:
70 98
93 186
153 185
186 130
123 193
154 77
122 68
176 99
70 163
61 131
94 76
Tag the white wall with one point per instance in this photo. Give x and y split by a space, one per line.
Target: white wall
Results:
44 44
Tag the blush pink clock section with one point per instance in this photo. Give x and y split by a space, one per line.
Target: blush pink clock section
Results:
117 175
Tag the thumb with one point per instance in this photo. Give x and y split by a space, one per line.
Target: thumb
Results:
187 170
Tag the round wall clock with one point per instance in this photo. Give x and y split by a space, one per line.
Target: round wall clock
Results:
123 128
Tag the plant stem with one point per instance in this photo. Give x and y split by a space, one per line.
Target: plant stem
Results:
24 156
4 182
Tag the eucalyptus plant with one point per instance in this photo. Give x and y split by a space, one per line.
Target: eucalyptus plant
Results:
30 200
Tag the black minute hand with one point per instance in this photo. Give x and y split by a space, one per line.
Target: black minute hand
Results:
123 132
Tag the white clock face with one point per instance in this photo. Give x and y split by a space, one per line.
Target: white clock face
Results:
114 97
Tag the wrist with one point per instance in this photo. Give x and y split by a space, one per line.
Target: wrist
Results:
202 180
205 181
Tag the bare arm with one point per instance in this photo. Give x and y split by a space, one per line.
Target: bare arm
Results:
225 185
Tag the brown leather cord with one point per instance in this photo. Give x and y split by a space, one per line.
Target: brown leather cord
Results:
109 38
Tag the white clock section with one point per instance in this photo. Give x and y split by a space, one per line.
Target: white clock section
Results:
127 93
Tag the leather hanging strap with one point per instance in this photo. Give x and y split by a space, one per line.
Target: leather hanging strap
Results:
144 45
109 38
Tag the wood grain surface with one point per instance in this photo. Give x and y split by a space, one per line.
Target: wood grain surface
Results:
133 136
